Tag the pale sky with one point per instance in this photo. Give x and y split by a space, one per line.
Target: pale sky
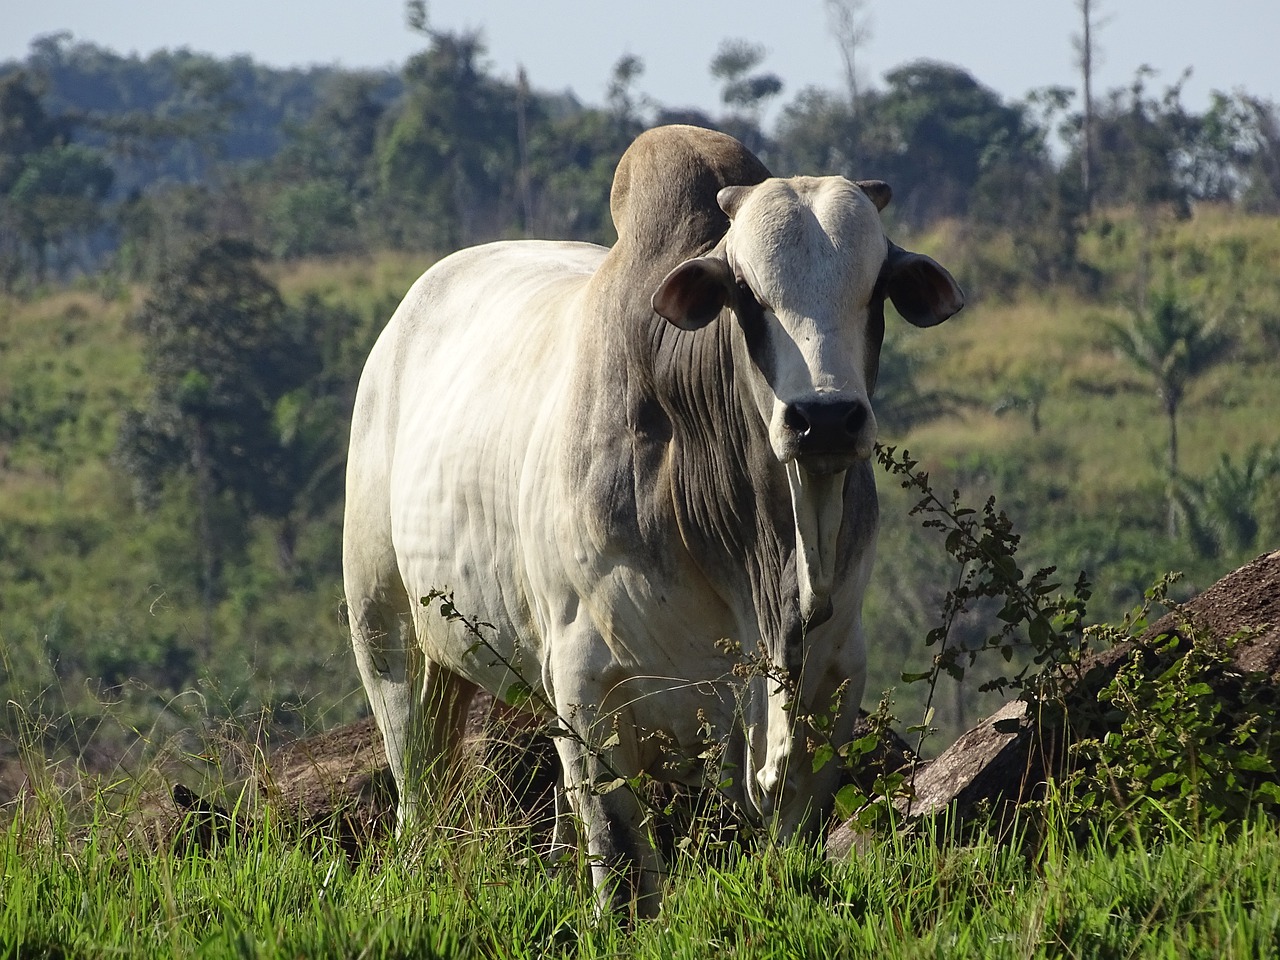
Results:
1010 45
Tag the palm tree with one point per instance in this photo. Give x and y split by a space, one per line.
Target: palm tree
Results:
1224 509
1171 345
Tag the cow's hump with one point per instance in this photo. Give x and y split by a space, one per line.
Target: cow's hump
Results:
663 202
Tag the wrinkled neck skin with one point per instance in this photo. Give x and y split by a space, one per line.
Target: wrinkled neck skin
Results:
767 535
728 491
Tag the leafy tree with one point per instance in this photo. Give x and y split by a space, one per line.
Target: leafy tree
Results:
622 101
222 353
572 160
818 134
338 142
312 217
1237 154
59 192
936 131
1226 511
50 189
1152 150
744 92
449 161
1171 345
938 136
25 128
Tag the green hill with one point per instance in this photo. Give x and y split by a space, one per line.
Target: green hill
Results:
107 641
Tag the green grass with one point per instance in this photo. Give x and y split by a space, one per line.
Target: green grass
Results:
102 889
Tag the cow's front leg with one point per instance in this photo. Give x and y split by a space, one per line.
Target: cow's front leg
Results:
626 869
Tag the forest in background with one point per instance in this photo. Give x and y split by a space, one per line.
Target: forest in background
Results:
196 255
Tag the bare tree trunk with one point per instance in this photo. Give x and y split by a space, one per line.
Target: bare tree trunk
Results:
522 139
204 534
1172 520
850 30
1086 51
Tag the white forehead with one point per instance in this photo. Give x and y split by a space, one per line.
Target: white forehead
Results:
807 242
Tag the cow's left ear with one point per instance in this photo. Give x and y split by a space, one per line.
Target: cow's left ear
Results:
921 288
694 293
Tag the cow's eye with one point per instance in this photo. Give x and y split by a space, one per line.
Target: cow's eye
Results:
749 297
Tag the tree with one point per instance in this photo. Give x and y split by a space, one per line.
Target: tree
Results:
222 353
324 177
1085 54
25 128
744 92
50 189
622 101
817 134
1172 346
1226 510
848 23
935 132
59 192
1261 173
449 161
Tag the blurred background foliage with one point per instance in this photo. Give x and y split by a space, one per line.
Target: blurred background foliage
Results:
196 255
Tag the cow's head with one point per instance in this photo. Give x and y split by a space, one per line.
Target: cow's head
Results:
805 268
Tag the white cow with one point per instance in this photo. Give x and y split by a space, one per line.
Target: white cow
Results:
643 466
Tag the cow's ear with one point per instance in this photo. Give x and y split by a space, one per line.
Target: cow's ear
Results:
879 192
731 198
694 293
921 288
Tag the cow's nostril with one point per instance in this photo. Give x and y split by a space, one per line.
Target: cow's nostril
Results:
856 420
826 427
795 420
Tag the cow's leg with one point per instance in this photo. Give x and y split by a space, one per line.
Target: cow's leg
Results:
564 834
382 639
626 869
440 719
420 706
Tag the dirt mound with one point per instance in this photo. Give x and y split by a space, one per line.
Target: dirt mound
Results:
1006 758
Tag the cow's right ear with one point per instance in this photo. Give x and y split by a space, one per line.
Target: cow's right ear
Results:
694 293
921 288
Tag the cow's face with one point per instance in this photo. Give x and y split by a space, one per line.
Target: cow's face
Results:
805 268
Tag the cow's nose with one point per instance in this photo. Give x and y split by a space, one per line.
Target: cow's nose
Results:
825 426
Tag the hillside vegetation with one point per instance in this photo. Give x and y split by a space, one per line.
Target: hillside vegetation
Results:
102 599
196 256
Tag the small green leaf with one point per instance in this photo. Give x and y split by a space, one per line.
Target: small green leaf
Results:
1254 763
1270 789
1039 631
849 800
822 755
